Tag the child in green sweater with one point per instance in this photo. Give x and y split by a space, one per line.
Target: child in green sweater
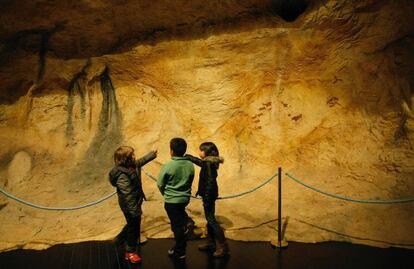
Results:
174 183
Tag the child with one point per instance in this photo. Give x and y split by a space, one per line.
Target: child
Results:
126 177
174 183
208 190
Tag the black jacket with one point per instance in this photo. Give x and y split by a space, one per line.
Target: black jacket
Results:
207 184
129 186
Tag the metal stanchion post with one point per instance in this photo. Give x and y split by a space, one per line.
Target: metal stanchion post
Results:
279 209
281 242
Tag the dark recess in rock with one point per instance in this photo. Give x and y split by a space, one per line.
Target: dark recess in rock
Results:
289 10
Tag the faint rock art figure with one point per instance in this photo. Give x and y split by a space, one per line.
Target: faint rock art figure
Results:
76 85
297 117
336 80
108 135
266 107
333 101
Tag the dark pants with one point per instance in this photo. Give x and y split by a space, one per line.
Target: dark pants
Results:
215 232
178 218
131 232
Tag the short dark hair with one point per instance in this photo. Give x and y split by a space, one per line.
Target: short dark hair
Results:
210 149
178 146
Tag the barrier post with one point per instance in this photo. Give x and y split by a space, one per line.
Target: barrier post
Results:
281 243
279 208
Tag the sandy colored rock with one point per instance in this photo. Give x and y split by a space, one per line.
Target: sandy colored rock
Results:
328 97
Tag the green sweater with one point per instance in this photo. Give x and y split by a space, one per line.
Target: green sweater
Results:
175 180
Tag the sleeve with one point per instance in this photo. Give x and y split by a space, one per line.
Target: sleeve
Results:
145 159
124 187
162 179
209 193
194 160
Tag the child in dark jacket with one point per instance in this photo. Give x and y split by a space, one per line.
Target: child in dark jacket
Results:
126 177
208 190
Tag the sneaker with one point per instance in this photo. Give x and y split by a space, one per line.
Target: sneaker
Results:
132 257
173 254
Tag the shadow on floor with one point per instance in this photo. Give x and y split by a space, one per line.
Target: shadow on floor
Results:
252 255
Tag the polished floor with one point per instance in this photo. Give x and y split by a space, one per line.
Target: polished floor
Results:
252 255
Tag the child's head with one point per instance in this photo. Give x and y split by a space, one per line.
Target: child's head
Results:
178 147
208 149
124 156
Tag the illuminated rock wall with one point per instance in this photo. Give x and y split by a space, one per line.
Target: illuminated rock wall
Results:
329 97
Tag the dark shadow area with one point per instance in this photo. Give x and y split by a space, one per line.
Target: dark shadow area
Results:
256 255
108 135
13 92
348 236
284 226
77 84
289 10
30 40
61 46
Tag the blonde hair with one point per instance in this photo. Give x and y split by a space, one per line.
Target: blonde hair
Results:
122 155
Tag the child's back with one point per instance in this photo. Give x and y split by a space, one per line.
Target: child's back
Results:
175 180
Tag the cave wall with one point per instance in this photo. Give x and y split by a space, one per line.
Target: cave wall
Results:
327 96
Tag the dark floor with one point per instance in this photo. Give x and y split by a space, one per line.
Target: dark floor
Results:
252 255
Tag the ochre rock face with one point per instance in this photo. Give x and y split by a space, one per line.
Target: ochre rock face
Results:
327 97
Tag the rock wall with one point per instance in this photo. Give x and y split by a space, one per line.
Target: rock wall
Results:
328 97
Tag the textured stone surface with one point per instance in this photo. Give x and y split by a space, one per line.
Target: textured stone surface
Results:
329 97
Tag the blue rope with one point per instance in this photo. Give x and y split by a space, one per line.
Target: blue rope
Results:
229 196
396 201
250 191
55 208
11 196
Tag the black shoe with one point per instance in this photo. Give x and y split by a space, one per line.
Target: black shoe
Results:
173 254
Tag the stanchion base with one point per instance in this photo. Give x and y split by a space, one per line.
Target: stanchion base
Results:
275 243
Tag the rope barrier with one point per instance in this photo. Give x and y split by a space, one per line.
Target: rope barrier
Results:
250 191
229 196
396 201
11 196
56 208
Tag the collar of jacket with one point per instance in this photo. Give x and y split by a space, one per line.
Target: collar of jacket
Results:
122 169
125 170
214 159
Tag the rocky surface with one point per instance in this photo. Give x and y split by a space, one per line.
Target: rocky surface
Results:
327 96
